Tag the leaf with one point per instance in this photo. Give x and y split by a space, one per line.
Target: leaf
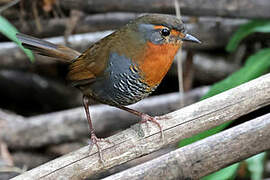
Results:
256 166
255 66
10 31
262 26
227 173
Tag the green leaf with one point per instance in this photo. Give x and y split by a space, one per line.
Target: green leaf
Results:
10 31
227 173
262 26
256 166
255 66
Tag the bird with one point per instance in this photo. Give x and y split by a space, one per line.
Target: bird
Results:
123 67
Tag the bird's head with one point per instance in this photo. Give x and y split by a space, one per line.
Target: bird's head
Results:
163 29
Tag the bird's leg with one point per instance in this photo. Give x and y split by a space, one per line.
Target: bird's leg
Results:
144 118
94 138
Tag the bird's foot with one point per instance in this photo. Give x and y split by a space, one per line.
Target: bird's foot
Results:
146 118
94 141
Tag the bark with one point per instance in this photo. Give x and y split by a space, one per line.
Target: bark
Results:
225 8
206 156
140 140
87 23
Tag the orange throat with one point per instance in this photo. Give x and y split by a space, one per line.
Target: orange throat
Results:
156 62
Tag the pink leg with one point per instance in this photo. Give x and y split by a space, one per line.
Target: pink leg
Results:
94 138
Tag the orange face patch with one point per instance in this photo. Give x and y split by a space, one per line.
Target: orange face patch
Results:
177 33
156 62
159 27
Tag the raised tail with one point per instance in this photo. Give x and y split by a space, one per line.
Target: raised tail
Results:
46 48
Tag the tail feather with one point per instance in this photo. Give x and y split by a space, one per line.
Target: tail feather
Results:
48 49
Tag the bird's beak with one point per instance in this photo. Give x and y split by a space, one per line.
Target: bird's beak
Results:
190 38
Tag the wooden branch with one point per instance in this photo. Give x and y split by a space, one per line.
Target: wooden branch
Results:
4 1
225 8
68 125
86 23
135 162
206 156
129 144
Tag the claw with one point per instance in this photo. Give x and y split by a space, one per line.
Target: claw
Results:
94 142
146 118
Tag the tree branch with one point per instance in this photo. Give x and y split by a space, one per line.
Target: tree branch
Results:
177 125
206 156
226 8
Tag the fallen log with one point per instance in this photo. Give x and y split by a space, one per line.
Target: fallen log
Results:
226 8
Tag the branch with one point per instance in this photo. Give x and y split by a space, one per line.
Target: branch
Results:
177 125
86 23
206 156
226 8
68 125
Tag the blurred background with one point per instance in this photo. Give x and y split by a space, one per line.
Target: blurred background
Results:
40 113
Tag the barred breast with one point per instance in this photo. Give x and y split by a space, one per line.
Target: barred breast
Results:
121 83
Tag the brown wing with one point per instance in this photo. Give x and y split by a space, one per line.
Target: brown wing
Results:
93 62
90 64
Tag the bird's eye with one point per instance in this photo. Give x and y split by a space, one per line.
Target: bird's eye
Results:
165 32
